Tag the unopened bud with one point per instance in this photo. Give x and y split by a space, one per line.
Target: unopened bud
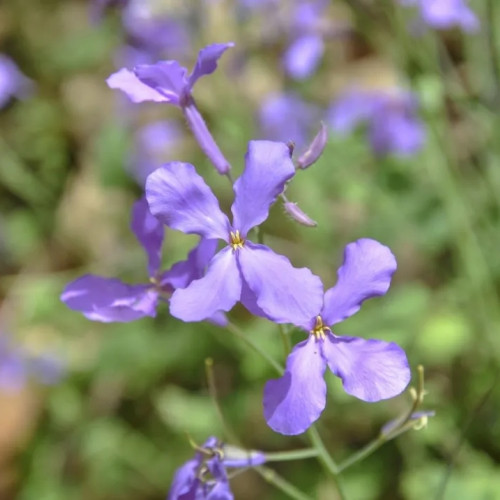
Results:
315 149
298 215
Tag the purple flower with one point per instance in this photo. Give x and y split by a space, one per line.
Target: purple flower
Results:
304 53
393 125
370 370
266 283
12 82
286 117
204 477
109 299
168 82
445 14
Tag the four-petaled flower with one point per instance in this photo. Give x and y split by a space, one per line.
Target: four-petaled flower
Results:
371 370
266 283
204 477
109 299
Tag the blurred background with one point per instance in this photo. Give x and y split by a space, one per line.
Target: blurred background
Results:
411 99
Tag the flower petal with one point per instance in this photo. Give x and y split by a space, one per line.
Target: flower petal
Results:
149 231
207 61
351 108
182 273
184 481
366 272
168 78
267 168
218 290
109 299
179 197
284 293
370 370
136 90
303 56
294 401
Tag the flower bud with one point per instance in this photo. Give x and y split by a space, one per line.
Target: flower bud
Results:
315 149
298 215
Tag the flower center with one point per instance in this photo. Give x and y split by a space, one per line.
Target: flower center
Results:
236 241
320 329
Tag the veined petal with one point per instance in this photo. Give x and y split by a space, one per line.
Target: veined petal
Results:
207 61
370 370
137 91
182 273
109 299
168 78
284 293
179 197
218 290
366 272
294 401
149 231
267 168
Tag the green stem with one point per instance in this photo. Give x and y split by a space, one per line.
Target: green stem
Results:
282 484
282 456
286 340
238 333
362 453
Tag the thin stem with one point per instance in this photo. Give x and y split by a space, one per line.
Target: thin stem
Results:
212 389
283 456
325 458
362 453
238 333
282 484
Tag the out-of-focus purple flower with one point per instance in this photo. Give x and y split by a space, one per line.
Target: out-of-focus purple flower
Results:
370 370
393 124
12 82
205 476
306 49
288 118
109 299
17 365
446 14
266 283
168 82
154 142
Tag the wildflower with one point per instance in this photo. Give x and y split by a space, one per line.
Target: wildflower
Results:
12 82
109 299
205 475
304 53
393 126
370 370
167 81
266 283
445 14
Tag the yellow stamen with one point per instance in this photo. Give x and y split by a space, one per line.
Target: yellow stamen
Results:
236 240
320 329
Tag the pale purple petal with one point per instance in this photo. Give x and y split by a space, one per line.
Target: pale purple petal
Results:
303 56
12 81
137 91
294 401
207 61
285 294
150 232
236 457
109 299
351 108
168 78
267 168
182 273
370 370
185 481
179 197
13 372
366 272
444 14
218 290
